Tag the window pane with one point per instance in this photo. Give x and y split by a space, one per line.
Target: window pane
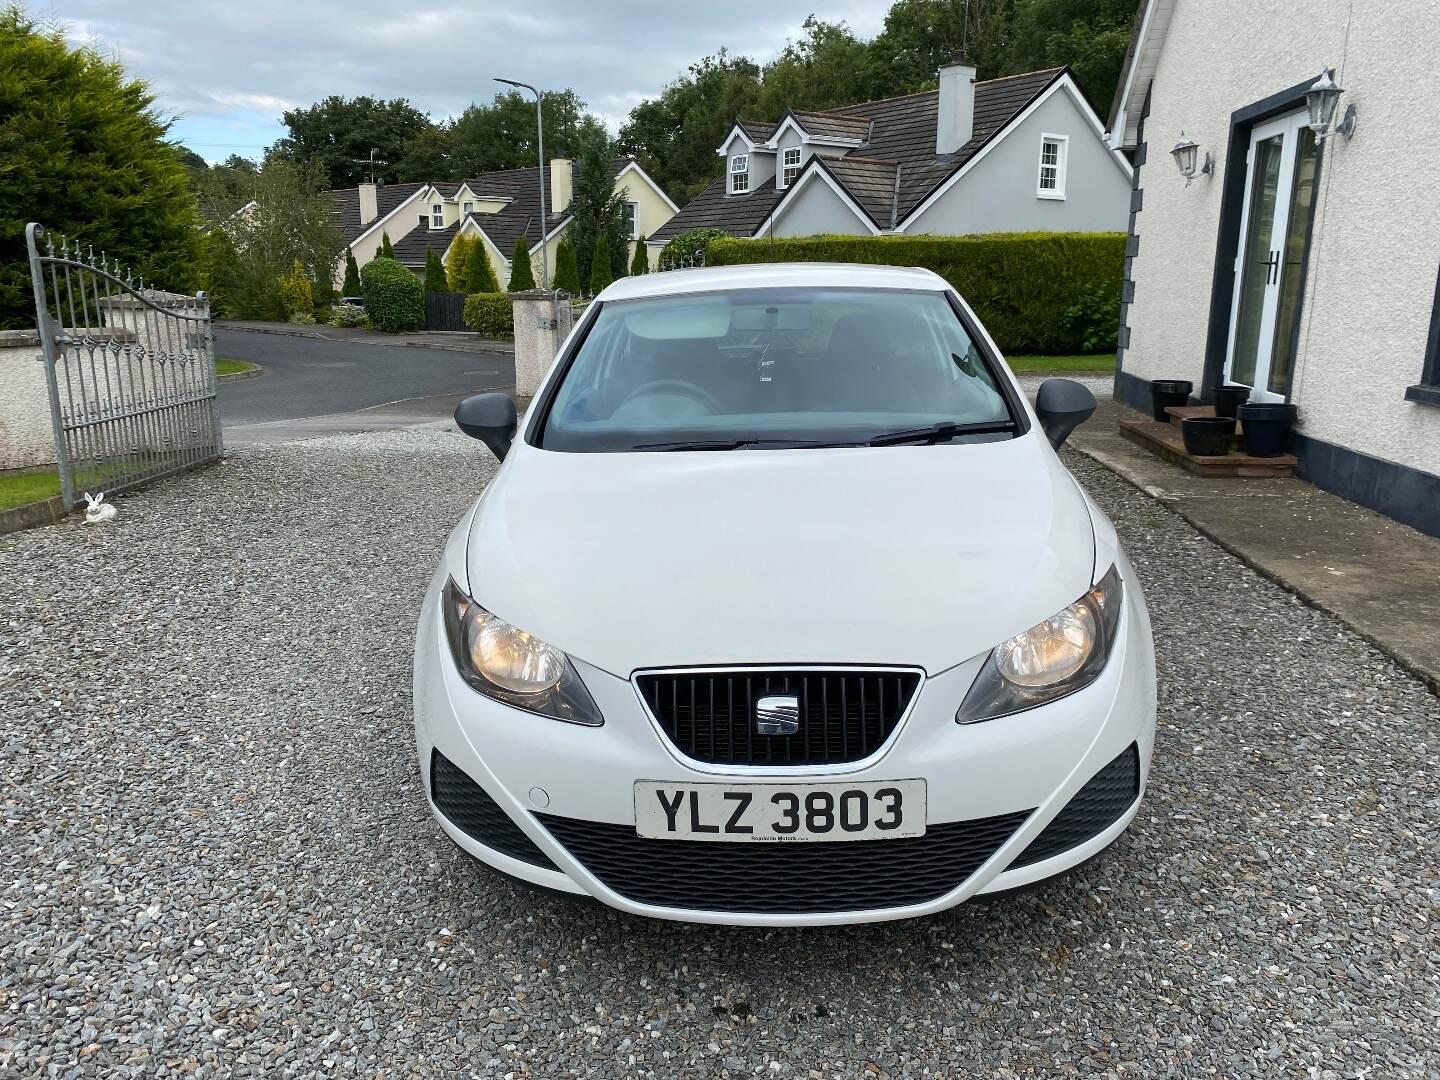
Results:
797 365
1297 230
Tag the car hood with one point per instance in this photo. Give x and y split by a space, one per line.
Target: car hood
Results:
906 555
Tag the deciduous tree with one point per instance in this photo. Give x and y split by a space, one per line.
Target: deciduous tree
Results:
338 133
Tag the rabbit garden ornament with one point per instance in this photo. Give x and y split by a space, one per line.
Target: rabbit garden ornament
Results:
99 510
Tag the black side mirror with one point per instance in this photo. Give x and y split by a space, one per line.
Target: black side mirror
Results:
491 418
1062 405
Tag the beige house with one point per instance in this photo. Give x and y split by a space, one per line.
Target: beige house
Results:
496 206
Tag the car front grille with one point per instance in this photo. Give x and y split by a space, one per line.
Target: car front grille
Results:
799 878
470 809
844 715
1093 809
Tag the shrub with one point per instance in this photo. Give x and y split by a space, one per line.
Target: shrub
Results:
386 251
1023 286
600 275
302 318
394 297
567 273
347 315
352 276
490 314
681 247
521 276
479 274
640 264
324 315
460 249
295 292
434 272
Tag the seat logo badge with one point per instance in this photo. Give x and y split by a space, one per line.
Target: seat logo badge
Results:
777 714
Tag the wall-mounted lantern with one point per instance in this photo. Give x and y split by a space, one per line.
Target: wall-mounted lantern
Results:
1320 101
1186 154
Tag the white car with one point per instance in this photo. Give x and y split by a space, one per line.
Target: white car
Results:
782 610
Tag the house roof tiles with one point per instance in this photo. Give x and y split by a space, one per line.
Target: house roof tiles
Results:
899 137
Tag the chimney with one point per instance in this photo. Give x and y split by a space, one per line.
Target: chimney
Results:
369 209
956 122
560 185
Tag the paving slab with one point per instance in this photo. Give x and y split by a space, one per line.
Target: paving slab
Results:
1380 577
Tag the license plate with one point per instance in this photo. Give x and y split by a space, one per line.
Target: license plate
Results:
780 813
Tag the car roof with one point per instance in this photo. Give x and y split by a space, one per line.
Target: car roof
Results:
773 276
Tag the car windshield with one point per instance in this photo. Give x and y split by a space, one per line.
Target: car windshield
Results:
775 368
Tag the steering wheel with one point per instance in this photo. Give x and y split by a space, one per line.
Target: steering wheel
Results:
678 387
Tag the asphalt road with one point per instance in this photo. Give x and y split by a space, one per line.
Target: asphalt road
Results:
312 387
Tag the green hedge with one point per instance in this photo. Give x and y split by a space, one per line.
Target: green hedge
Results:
490 314
1037 293
394 297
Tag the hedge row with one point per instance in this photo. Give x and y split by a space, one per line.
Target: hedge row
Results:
1046 293
490 314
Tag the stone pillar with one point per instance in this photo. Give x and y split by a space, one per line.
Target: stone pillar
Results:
536 339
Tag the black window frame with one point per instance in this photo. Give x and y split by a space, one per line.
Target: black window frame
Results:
999 374
1427 390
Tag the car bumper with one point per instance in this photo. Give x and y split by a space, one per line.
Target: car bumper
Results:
552 803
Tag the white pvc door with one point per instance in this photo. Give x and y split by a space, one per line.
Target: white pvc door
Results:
1274 224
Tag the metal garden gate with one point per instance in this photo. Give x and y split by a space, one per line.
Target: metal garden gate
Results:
130 370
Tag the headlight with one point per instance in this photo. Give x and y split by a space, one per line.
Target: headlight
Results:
514 667
1056 657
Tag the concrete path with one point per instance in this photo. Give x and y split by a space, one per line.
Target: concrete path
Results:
1380 577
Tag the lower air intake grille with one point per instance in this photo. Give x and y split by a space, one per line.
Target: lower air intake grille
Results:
471 810
1092 810
857 875
844 715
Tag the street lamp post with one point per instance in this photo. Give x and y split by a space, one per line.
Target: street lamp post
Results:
540 140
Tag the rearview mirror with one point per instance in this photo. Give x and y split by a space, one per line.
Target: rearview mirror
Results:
1062 405
491 418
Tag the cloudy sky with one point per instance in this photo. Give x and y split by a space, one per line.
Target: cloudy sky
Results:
228 68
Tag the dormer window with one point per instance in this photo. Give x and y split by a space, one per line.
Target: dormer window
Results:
437 216
468 207
739 173
790 166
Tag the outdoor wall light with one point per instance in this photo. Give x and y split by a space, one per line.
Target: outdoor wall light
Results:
1186 152
1321 100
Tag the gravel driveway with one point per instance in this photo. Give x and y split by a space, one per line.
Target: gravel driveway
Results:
217 861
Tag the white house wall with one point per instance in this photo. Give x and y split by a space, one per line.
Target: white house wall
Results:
1376 240
816 208
998 193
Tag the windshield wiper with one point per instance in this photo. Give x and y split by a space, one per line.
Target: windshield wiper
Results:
936 432
698 444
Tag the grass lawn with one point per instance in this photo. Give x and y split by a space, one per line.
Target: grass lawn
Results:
1098 364
232 367
17 489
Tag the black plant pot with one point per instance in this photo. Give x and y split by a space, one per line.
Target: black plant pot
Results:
1165 393
1229 398
1266 426
1208 436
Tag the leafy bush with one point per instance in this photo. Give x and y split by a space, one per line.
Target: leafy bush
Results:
682 247
1096 318
567 272
347 315
295 291
479 274
434 272
490 314
521 276
301 318
600 275
394 297
324 315
1023 286
352 276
